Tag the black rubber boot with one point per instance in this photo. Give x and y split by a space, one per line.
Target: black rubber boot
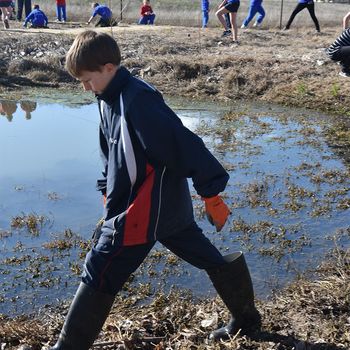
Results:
234 285
85 319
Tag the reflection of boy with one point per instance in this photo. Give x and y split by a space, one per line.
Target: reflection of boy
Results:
147 15
147 156
28 107
37 18
7 108
105 15
339 51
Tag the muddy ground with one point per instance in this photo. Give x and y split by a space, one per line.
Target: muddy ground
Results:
310 314
287 67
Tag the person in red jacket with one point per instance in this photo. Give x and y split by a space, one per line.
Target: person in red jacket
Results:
147 15
61 11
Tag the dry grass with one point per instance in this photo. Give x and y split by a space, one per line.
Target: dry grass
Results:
305 315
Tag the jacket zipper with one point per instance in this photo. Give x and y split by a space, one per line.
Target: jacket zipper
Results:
159 204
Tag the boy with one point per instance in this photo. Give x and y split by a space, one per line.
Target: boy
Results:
339 51
147 14
105 15
147 155
37 18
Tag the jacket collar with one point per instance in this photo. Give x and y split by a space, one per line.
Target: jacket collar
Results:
115 86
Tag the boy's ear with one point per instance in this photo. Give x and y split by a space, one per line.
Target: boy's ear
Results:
110 67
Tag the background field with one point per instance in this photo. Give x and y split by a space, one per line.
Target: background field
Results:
188 12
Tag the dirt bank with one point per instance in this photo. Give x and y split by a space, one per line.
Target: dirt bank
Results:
287 67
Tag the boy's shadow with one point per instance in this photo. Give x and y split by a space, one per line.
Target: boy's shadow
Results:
291 342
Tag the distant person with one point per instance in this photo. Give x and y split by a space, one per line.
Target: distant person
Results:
227 30
28 107
255 7
147 14
13 11
302 4
105 15
339 51
205 13
36 18
346 20
6 11
229 7
27 6
7 108
61 11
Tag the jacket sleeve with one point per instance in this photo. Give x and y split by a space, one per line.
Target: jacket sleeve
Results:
29 18
102 183
168 142
142 10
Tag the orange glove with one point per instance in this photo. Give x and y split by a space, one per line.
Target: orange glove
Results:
217 211
104 200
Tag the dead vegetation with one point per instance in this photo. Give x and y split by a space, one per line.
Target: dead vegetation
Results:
271 65
305 315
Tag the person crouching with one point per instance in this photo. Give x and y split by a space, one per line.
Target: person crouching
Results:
36 18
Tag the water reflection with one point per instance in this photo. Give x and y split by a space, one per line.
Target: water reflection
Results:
8 108
28 107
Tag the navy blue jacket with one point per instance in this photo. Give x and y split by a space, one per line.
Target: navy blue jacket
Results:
147 154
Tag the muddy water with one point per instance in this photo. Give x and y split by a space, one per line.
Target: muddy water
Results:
288 191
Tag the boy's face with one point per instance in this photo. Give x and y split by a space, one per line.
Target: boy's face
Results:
97 81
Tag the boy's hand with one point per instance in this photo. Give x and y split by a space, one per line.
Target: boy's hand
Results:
217 211
104 200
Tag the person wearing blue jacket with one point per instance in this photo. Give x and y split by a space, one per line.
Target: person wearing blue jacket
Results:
205 13
147 156
36 18
255 7
105 15
302 4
